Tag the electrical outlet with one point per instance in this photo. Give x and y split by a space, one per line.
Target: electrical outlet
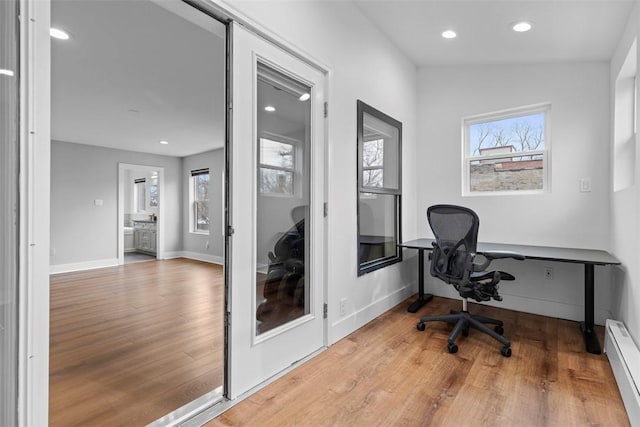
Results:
206 244
585 185
548 273
343 306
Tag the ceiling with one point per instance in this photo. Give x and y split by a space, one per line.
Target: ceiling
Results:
563 30
134 73
137 72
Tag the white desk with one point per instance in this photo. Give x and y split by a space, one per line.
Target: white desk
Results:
588 257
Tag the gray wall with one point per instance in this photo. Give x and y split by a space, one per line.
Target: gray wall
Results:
197 243
82 232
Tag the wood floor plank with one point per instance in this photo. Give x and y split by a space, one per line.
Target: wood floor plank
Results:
390 374
130 344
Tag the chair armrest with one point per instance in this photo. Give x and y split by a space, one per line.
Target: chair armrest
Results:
503 254
490 256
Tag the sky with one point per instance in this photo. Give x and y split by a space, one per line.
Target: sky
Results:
534 120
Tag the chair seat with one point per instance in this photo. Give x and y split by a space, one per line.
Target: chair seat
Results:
489 275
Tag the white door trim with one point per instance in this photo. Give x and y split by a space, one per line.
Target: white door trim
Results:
35 164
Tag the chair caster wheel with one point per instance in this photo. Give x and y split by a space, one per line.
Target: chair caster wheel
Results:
506 351
420 326
499 329
452 348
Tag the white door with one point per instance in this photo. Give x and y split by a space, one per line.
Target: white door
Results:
276 211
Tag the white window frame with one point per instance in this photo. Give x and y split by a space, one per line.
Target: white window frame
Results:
193 210
294 170
545 153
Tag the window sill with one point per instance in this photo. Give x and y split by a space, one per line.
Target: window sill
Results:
505 193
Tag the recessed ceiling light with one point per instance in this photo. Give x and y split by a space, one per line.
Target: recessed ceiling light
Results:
163 142
6 72
270 108
57 33
449 34
521 27
304 96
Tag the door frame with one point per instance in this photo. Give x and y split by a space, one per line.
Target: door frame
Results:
160 225
34 193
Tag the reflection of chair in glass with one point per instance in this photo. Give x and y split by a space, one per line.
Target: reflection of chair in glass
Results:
284 287
453 261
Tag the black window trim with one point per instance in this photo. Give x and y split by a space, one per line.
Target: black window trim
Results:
368 267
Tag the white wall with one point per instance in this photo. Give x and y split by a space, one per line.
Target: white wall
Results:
366 66
83 234
579 97
625 233
207 247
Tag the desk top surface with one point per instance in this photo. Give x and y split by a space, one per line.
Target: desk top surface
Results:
549 253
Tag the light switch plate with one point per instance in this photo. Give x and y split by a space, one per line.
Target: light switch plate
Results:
585 185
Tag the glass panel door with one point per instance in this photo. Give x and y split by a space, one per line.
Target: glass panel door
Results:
276 211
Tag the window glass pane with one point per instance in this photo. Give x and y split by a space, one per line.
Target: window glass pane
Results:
140 197
273 153
373 153
153 195
201 202
515 134
380 154
202 187
507 174
282 286
372 178
276 181
202 215
378 229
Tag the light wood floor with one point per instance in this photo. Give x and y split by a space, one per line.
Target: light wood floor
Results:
390 374
130 344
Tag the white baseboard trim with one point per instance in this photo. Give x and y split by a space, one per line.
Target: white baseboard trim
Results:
262 268
85 265
542 307
624 357
214 259
354 321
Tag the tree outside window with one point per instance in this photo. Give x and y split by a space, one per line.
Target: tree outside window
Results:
200 206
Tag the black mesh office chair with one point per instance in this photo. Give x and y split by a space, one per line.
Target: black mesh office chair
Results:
453 260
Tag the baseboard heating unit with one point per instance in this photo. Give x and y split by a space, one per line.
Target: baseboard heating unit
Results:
624 358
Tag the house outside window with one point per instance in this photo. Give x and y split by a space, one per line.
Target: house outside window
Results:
507 152
199 196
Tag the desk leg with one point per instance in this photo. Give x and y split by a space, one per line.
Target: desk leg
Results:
422 298
588 329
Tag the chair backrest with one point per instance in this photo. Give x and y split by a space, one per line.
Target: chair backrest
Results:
456 231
